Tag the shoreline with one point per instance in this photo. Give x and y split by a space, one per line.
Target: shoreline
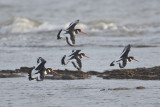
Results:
152 73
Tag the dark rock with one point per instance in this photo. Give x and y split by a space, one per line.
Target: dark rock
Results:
103 89
25 69
100 75
140 87
138 73
93 73
7 71
68 75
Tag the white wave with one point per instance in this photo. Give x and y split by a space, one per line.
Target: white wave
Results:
136 28
27 25
24 25
19 25
95 26
103 26
44 27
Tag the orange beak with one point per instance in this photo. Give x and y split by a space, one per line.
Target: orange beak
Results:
82 32
86 56
136 60
54 72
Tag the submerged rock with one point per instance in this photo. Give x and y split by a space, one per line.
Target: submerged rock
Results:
103 89
10 75
122 88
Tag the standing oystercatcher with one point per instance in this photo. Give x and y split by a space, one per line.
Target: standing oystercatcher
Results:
39 71
75 58
70 33
124 59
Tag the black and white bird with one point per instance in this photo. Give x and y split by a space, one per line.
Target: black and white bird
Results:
74 58
124 59
69 33
39 70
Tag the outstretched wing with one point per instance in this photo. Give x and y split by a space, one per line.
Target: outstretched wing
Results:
40 65
61 34
125 52
70 40
123 63
72 37
72 25
42 75
32 74
63 60
75 52
77 63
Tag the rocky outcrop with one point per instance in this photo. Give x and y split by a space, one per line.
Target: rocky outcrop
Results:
138 73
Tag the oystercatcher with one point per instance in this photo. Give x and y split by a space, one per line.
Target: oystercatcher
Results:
70 33
75 58
39 70
124 59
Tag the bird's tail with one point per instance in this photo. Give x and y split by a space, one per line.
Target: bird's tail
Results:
63 60
112 64
58 36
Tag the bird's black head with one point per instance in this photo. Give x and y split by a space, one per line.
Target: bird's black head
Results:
131 58
83 55
79 30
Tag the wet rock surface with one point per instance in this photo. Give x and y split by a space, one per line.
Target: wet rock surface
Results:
140 87
123 88
10 75
68 75
57 75
138 73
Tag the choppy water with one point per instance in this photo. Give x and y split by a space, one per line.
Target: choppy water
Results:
28 29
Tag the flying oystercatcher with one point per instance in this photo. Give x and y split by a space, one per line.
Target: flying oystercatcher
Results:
69 33
124 59
39 70
74 58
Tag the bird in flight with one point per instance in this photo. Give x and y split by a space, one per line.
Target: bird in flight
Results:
124 59
39 70
69 33
74 58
